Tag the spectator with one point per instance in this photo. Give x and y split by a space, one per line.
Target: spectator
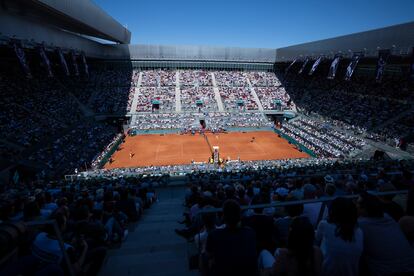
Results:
232 250
386 249
46 248
340 239
407 226
262 225
282 224
300 257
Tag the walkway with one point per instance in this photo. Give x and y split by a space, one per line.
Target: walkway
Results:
177 92
136 95
217 94
256 98
153 248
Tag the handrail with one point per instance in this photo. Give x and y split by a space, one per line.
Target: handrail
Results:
59 238
295 202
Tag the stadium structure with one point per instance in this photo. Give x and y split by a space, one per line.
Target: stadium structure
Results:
85 111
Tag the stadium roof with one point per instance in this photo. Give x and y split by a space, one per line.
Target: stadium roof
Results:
70 24
398 38
77 16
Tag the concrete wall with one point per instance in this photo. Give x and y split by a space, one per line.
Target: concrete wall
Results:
400 38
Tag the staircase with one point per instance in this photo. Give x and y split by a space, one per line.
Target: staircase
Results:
153 248
136 95
177 92
253 92
217 94
394 119
86 111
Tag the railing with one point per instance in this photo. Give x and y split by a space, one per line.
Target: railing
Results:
32 224
304 202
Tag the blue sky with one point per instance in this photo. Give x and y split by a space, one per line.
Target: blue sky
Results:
254 23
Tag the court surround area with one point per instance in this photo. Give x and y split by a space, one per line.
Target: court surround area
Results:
176 149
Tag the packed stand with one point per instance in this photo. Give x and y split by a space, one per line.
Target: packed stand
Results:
371 235
91 216
361 104
237 98
264 79
230 78
98 160
195 78
215 121
158 78
198 98
270 97
322 138
73 150
114 91
148 96
32 112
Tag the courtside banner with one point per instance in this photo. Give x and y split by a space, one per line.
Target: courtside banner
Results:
45 60
352 65
74 63
315 65
63 62
334 67
85 65
290 65
303 66
383 56
22 59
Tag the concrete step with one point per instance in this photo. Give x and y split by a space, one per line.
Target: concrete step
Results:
153 248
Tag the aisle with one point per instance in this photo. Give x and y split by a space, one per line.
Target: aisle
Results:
153 248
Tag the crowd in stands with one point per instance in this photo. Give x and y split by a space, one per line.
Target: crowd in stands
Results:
361 105
267 79
322 138
158 78
370 235
287 166
113 91
195 78
43 123
33 110
73 149
92 217
198 98
237 98
100 158
164 96
215 121
401 128
230 78
274 98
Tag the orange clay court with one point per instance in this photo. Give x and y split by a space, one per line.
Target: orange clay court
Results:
176 149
